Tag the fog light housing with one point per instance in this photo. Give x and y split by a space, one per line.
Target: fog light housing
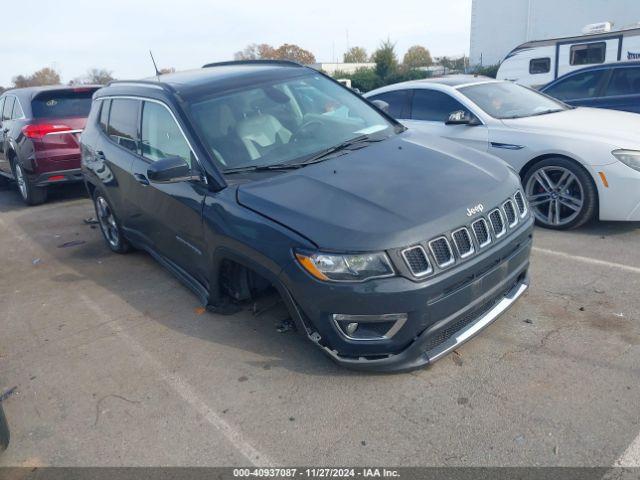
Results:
369 327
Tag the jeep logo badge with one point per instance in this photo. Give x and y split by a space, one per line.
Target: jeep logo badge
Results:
475 210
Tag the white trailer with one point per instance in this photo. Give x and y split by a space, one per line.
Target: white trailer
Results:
539 62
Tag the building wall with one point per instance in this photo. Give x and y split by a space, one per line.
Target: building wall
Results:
331 68
497 26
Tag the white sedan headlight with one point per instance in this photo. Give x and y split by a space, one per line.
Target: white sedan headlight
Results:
631 158
346 268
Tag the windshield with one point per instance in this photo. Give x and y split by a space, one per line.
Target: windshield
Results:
284 122
509 100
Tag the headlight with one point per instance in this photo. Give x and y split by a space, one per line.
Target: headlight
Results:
631 158
346 268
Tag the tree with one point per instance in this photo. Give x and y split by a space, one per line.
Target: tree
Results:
167 70
416 56
98 76
44 76
254 51
385 59
295 54
355 55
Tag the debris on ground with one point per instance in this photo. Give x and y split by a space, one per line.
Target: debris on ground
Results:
72 243
258 307
619 315
581 309
286 326
528 320
8 393
90 221
200 310
36 261
457 358
463 400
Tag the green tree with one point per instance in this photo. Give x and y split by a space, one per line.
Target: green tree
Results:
417 56
355 55
385 59
255 51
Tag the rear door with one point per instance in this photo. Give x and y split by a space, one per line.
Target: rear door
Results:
169 215
3 159
5 129
432 108
623 90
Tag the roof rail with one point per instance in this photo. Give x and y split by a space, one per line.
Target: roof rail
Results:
288 63
142 83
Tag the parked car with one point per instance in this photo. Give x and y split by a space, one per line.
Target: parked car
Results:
615 86
389 247
539 62
39 130
4 431
576 163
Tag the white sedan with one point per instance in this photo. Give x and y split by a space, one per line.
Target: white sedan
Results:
575 163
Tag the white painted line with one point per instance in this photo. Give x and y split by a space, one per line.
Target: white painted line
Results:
631 456
592 261
186 391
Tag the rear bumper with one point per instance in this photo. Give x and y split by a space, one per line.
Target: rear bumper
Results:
442 313
56 177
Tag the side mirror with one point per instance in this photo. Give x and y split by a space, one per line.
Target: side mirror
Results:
382 105
171 170
462 117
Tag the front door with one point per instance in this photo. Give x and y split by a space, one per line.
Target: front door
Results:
168 214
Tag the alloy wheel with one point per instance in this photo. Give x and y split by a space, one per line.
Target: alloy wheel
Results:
555 194
21 181
107 222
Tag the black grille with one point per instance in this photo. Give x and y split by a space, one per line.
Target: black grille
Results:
510 212
417 261
463 242
522 208
481 231
441 251
497 223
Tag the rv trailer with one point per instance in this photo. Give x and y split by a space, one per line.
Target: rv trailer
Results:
539 62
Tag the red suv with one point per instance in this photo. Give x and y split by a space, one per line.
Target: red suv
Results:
39 132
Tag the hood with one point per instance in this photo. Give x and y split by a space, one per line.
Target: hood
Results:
620 129
390 194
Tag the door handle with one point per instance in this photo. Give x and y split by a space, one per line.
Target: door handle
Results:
141 178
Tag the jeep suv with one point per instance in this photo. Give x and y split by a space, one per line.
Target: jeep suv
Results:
388 247
39 130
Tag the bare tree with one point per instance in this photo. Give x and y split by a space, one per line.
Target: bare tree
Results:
265 51
255 51
98 76
167 70
294 53
44 76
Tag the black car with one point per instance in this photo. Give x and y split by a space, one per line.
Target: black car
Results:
613 85
4 430
388 247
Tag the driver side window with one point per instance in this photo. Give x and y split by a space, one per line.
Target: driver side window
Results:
433 106
161 136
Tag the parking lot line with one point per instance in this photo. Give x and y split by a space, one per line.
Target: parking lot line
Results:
185 391
592 261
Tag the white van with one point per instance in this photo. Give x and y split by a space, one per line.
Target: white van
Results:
539 62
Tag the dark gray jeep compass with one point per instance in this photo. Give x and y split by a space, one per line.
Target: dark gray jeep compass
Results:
388 247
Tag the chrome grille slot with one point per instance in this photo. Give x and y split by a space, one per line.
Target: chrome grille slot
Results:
463 242
497 223
522 206
417 261
510 213
442 252
481 231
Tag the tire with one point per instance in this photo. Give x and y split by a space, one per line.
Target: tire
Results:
109 224
4 431
31 194
4 182
561 194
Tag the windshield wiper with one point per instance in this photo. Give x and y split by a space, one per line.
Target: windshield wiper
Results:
261 168
545 112
323 154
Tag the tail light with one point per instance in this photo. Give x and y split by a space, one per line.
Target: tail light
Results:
42 129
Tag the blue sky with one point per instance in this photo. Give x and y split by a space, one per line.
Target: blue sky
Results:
117 34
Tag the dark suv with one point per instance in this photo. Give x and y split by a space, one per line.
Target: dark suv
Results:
39 131
388 247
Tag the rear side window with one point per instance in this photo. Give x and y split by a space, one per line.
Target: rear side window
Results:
398 101
580 85
17 110
624 81
433 106
539 65
8 108
104 114
161 136
588 53
123 123
62 103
